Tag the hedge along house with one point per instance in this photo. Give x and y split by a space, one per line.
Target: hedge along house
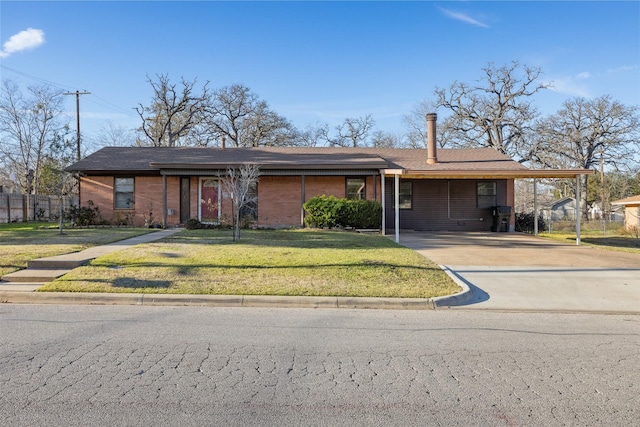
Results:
420 189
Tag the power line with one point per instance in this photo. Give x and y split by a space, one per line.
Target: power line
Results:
104 103
38 79
77 93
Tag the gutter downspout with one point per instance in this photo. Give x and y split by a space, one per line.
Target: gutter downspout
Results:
302 197
535 207
384 208
397 206
578 208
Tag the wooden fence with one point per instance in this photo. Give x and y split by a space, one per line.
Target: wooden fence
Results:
20 207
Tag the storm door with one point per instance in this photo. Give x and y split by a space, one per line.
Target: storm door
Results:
209 200
185 199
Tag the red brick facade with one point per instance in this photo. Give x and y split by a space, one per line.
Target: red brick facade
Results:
280 198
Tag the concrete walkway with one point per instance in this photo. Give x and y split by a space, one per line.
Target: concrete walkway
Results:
44 270
515 271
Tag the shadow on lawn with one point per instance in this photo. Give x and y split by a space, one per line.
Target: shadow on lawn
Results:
304 239
613 241
130 282
185 269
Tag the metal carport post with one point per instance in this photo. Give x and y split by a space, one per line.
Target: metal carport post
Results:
396 197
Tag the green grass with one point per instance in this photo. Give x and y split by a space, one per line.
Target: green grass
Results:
286 262
21 242
621 242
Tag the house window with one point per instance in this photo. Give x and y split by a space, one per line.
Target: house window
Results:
405 195
487 194
356 188
123 188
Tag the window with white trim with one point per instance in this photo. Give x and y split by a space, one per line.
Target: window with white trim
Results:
123 189
487 194
356 188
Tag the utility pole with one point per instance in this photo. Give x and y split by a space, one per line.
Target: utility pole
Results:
77 93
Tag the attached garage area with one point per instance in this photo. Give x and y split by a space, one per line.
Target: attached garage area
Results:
448 204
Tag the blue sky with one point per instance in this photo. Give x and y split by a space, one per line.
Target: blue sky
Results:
316 62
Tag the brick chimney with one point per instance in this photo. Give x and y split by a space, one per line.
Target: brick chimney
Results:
223 143
432 151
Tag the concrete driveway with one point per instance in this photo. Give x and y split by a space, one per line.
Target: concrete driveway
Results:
514 271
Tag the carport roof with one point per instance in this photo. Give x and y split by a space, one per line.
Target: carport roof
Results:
629 201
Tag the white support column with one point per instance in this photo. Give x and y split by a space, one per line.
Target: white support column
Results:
384 208
535 207
578 210
397 204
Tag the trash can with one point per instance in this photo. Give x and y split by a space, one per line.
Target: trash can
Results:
501 216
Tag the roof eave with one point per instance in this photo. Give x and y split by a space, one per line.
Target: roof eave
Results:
497 174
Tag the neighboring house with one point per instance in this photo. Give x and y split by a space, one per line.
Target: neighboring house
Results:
420 189
631 211
560 210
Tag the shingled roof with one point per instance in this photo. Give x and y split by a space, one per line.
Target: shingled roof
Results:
473 162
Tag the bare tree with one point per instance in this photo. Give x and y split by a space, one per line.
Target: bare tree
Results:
382 139
112 135
174 111
314 135
353 132
29 127
416 124
239 186
238 115
497 112
585 131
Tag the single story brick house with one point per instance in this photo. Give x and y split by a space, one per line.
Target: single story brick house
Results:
631 211
420 189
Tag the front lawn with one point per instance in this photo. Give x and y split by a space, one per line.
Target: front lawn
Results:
24 241
286 262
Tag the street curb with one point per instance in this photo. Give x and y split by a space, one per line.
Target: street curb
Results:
461 298
88 298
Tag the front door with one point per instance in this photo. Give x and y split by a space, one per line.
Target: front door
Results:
209 192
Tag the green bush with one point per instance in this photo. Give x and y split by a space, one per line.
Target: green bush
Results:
330 211
84 215
323 211
362 214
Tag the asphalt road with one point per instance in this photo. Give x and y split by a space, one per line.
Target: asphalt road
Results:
140 366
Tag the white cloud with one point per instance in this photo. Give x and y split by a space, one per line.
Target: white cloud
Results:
622 69
571 86
24 40
583 76
463 18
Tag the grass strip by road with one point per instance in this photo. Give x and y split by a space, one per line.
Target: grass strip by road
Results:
21 242
282 262
621 243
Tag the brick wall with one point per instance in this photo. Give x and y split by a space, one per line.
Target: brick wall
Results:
147 198
279 201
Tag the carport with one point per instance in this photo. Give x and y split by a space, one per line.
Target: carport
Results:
460 165
509 174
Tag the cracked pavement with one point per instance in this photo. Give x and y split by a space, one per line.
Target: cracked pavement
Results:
123 365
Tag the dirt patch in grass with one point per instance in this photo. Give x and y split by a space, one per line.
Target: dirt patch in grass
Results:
285 262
